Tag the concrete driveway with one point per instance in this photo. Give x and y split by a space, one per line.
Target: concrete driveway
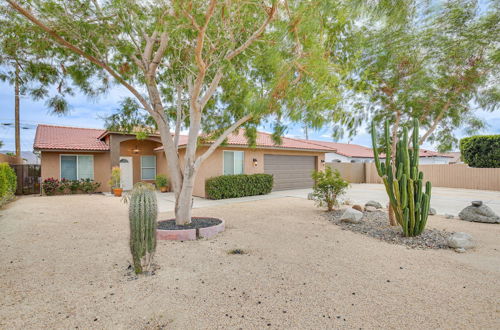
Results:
444 200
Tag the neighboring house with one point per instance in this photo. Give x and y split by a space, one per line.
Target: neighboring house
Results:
354 153
457 157
76 153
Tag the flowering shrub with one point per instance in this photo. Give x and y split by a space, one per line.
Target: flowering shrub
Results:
50 186
89 186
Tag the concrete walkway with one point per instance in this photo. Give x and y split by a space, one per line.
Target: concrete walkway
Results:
444 200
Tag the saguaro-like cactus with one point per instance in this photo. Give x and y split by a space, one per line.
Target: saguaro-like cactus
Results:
403 181
143 213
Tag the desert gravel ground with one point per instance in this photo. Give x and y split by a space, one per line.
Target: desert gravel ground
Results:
64 258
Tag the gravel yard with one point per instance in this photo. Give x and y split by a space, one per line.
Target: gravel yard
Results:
64 265
376 224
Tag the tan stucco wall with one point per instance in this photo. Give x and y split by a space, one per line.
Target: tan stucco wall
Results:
51 166
213 166
146 149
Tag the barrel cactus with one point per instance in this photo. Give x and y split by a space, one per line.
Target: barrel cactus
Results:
143 213
403 181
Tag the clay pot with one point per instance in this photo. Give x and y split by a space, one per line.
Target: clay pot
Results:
117 192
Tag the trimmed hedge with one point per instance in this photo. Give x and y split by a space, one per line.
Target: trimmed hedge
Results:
240 185
8 183
481 151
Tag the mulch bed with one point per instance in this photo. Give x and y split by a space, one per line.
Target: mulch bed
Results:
376 224
196 223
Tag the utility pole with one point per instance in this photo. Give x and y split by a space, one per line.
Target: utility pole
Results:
16 109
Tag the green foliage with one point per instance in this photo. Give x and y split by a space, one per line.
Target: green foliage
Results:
240 185
114 182
481 151
143 213
88 186
328 187
8 183
439 64
161 181
403 181
51 185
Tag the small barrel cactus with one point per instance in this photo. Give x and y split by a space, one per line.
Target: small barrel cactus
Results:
403 181
143 213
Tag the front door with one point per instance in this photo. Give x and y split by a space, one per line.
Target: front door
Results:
126 179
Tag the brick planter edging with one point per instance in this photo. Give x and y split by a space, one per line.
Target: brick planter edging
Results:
190 234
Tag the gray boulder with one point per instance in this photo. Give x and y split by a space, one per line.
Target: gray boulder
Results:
449 216
375 204
461 241
370 208
351 216
481 213
432 211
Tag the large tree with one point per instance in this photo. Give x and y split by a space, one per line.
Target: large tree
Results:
220 64
437 61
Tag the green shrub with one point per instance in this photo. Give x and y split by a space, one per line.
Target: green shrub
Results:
481 151
88 186
161 181
240 185
328 187
8 183
73 186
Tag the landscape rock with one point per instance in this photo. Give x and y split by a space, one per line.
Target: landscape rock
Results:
460 250
310 196
432 211
370 208
358 207
449 216
351 216
482 213
477 203
461 240
375 204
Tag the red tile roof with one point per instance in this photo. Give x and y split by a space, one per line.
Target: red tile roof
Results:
359 151
264 140
68 138
347 149
74 138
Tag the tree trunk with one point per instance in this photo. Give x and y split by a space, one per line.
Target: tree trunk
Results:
184 200
16 110
392 218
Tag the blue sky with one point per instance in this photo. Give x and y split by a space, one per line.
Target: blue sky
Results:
87 112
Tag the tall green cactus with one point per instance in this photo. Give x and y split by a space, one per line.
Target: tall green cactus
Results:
403 181
143 213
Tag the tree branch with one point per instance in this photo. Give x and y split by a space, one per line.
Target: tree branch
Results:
270 16
60 40
220 139
211 89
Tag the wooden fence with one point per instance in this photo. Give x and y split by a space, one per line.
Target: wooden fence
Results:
441 175
10 159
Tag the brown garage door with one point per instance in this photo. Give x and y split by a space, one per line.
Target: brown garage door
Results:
290 172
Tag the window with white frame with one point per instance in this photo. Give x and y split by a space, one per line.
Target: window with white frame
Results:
148 167
76 167
233 162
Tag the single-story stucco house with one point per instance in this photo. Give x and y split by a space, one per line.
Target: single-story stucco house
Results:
76 153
